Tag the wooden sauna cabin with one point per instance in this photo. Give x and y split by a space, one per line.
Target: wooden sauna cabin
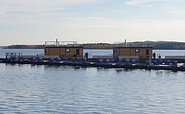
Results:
133 52
63 49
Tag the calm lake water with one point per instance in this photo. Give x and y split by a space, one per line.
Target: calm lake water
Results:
43 89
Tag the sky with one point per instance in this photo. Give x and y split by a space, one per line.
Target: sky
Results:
91 21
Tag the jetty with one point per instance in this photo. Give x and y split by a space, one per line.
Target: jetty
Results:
154 64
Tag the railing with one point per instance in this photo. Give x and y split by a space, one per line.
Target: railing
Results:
60 43
132 45
95 46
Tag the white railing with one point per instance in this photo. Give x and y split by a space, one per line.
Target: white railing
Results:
132 45
60 43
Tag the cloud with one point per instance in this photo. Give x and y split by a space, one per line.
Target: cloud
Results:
174 7
36 11
92 29
3 11
175 11
146 2
45 3
111 30
137 2
34 6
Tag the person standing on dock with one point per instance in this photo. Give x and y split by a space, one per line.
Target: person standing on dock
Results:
154 55
86 56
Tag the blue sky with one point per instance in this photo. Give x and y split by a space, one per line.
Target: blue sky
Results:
89 21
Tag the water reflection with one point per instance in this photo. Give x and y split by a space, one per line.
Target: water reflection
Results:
67 89
65 67
119 70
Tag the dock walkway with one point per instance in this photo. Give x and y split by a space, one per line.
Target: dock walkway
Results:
84 63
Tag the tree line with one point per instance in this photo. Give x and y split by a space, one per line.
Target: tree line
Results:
155 45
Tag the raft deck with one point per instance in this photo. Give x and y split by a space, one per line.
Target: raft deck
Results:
95 64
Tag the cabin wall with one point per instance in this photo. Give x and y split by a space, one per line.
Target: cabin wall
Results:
142 53
66 52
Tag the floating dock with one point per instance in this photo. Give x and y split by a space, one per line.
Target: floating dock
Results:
155 65
127 57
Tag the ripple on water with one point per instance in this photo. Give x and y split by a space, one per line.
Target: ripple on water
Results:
67 90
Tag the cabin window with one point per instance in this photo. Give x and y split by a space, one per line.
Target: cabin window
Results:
137 50
67 50
147 51
77 51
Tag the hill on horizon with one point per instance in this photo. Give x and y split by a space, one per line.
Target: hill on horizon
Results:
154 44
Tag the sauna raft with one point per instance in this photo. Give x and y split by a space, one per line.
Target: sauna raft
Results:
71 54
104 63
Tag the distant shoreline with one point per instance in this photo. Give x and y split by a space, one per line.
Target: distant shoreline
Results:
84 48
159 45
